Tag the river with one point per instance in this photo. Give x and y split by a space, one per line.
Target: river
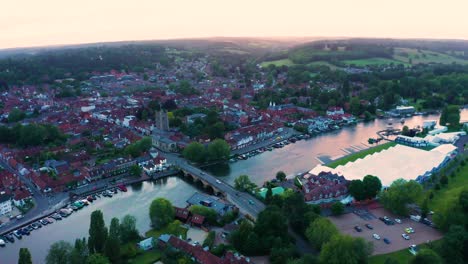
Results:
135 201
292 159
304 155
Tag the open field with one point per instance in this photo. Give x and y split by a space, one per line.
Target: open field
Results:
425 56
278 63
423 233
359 155
373 61
323 63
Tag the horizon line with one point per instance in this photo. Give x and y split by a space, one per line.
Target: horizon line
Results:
64 45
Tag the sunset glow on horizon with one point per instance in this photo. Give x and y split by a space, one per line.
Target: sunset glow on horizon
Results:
26 23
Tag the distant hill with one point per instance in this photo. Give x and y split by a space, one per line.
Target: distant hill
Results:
368 52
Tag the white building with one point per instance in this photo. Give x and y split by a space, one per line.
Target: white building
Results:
5 203
393 163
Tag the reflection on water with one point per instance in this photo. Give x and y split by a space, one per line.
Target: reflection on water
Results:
221 169
304 155
135 202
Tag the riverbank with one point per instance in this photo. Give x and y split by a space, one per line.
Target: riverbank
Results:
135 201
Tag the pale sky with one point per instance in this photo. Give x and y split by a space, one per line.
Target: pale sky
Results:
25 23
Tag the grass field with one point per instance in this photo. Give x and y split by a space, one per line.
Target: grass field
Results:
359 155
447 195
373 61
148 257
323 63
425 56
278 63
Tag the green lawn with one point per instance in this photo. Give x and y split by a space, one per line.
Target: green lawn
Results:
182 231
323 63
360 154
373 61
148 257
447 195
278 63
402 256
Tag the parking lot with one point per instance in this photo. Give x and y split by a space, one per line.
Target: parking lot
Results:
422 234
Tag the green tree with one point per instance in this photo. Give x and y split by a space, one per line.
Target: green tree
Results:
281 176
161 213
450 116
195 152
426 256
405 131
356 189
344 249
444 180
320 232
454 245
135 170
97 258
400 194
372 186
24 256
80 252
112 247
128 230
59 253
219 149
210 214
97 233
243 183
16 115
337 208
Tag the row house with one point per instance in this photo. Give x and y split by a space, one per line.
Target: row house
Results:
198 253
325 187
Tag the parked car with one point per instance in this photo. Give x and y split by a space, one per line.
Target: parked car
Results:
369 226
251 202
405 236
398 220
376 236
409 230
387 241
358 228
413 249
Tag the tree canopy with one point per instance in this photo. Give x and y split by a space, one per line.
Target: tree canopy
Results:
97 233
161 213
344 249
24 256
320 232
59 253
400 194
243 183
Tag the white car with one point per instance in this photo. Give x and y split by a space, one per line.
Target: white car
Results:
405 236
376 236
398 220
218 181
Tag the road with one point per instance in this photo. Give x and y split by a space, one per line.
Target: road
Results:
245 202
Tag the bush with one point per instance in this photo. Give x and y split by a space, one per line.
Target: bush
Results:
337 208
444 180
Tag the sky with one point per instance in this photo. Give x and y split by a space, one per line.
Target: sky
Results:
26 23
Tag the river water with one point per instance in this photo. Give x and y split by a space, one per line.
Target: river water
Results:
135 201
306 154
292 159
